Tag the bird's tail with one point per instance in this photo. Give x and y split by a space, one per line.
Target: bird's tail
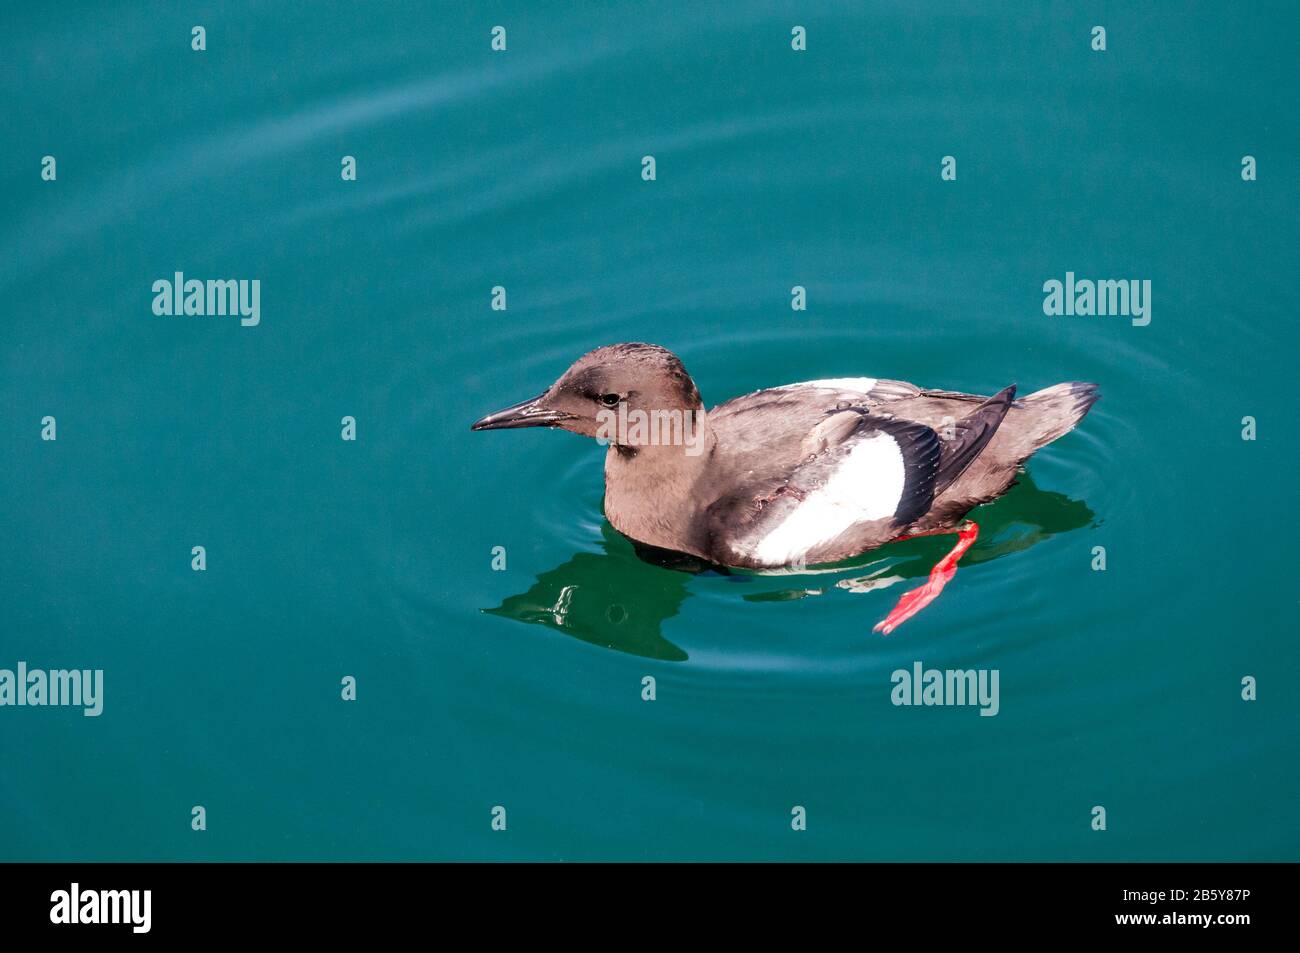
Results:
1056 410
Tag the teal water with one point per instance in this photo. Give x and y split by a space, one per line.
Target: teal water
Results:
523 688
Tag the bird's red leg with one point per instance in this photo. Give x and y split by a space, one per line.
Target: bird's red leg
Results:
913 601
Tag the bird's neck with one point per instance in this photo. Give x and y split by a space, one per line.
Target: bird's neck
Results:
652 491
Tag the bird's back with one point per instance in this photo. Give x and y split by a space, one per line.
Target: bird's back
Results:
789 447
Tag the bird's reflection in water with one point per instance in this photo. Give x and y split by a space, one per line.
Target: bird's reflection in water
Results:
619 598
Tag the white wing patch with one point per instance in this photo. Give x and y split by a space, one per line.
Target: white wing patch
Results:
859 385
867 485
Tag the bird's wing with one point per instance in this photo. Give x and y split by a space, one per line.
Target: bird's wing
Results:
967 437
860 477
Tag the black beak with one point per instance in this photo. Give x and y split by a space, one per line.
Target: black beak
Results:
528 413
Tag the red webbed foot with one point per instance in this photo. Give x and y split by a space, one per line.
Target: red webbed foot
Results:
913 601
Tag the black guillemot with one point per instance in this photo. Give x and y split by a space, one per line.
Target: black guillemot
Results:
804 474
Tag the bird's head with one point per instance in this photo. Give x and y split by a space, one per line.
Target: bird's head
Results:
606 391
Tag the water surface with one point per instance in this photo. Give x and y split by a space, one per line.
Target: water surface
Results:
523 688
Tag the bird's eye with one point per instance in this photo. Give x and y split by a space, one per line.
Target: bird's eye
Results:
610 400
